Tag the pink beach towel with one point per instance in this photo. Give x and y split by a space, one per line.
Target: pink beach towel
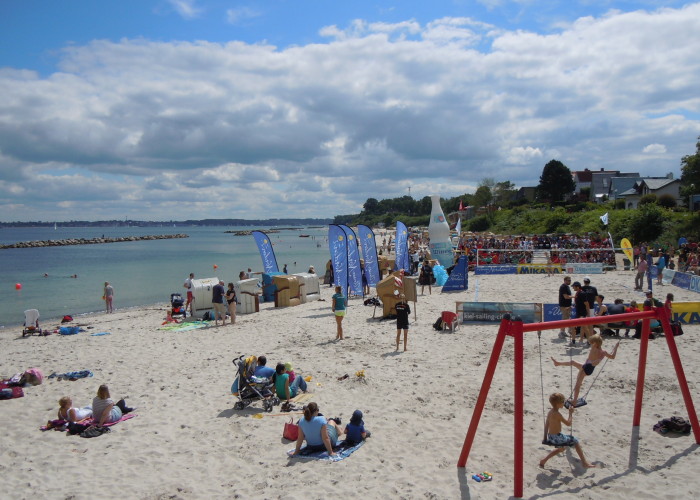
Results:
60 425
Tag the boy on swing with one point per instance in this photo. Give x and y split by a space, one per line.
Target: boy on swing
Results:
596 355
552 431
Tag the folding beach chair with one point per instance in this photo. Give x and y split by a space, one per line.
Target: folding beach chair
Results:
450 321
31 323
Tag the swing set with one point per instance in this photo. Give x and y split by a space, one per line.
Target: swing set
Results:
515 328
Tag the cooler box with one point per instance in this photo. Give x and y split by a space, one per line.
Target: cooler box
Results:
248 294
288 291
311 286
201 293
268 286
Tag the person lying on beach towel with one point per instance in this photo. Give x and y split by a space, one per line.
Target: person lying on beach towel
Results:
67 412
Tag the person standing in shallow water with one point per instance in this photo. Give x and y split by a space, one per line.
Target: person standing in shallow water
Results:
108 297
338 307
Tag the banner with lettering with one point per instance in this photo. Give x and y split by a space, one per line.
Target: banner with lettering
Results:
354 269
267 254
369 254
401 243
458 279
338 246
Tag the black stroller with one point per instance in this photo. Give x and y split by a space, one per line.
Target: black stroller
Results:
177 305
250 388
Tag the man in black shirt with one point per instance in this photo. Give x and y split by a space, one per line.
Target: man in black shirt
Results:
582 311
591 293
565 303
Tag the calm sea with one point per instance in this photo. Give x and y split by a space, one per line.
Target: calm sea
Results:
141 272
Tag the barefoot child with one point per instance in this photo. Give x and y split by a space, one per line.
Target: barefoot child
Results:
596 355
402 312
552 431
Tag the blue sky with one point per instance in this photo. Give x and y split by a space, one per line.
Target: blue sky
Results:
307 108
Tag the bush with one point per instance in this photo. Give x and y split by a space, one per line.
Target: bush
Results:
667 201
647 199
648 223
479 224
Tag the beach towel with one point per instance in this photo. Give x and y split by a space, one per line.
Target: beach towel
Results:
341 453
8 391
100 334
184 327
62 425
75 375
69 330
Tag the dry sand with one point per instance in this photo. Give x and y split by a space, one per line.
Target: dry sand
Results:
188 442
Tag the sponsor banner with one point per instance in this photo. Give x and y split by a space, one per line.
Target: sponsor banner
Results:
694 285
685 281
401 248
477 313
338 245
458 279
539 268
667 276
584 268
496 269
354 269
627 249
267 254
551 312
687 313
369 253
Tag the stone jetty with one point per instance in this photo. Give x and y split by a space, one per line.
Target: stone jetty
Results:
90 241
248 233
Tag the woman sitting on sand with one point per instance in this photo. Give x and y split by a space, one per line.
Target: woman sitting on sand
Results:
320 434
69 414
283 387
106 411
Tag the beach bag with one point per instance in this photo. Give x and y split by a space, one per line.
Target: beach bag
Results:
291 430
76 428
676 329
93 432
438 324
67 319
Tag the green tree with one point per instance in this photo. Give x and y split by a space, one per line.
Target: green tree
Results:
556 182
690 172
483 196
648 223
503 192
371 206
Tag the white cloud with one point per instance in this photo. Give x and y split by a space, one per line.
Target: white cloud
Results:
138 127
654 149
186 8
241 14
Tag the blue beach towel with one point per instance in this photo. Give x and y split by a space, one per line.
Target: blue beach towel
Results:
100 334
72 375
341 453
69 330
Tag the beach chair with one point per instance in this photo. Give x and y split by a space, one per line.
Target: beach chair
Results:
31 323
450 321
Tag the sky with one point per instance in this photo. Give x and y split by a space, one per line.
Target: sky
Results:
191 109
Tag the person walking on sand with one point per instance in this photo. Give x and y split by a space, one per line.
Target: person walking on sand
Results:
425 277
338 307
108 297
402 312
231 301
553 435
565 296
190 298
217 299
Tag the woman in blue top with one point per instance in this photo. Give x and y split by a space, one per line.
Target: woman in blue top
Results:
339 303
320 434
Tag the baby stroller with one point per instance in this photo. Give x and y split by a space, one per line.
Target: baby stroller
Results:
250 388
177 305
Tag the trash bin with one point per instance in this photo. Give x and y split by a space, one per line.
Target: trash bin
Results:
626 263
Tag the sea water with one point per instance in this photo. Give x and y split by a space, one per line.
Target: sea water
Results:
141 272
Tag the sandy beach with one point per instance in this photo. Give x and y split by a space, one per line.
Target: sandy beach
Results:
188 442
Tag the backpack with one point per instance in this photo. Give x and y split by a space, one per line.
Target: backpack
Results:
438 324
678 425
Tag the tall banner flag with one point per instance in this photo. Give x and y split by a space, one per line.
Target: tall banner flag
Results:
627 249
369 253
458 279
354 268
338 246
267 254
401 243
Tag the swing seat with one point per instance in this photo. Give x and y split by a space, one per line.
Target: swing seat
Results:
581 402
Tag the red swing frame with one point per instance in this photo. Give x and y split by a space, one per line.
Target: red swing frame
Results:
516 329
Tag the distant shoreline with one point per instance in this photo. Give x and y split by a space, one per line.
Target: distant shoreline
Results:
90 241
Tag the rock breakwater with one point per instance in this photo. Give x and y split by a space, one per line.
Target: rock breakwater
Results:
90 241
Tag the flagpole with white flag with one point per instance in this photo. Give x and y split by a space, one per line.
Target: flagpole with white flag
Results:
604 219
